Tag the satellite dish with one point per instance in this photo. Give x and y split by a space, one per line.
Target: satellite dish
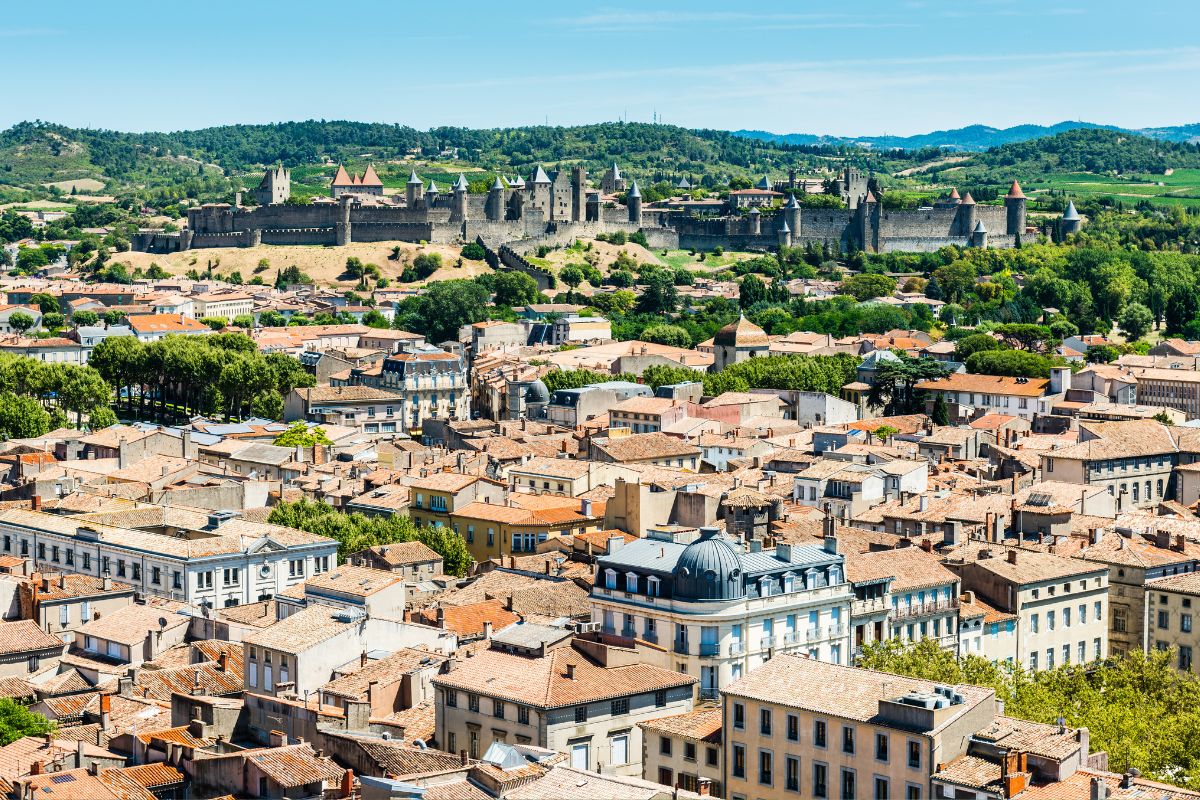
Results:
162 622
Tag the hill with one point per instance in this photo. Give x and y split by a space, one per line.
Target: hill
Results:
973 138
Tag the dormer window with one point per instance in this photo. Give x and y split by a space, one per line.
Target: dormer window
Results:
652 586
610 579
810 579
835 575
764 587
789 582
631 582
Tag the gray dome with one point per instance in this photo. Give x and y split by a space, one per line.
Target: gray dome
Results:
537 392
709 568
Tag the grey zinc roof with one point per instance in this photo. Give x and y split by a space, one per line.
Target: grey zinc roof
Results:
635 192
412 178
1070 213
498 184
460 185
530 634
540 176
792 202
651 554
980 228
765 183
432 187
803 556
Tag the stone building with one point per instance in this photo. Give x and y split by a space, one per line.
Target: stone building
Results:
737 342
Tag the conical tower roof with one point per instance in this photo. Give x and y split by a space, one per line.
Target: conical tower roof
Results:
954 194
432 188
616 171
460 185
412 178
498 184
1015 192
765 183
540 176
635 191
1070 213
792 202
979 227
968 200
370 178
341 178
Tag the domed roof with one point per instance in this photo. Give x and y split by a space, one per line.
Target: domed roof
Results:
709 568
742 333
537 392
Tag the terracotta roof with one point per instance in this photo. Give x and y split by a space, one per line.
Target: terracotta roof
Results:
702 725
385 670
566 783
131 625
543 682
165 323
1188 583
800 682
981 608
911 567
401 554
643 446
1133 438
352 580
988 384
153 776
468 620
1031 566
742 333
301 630
340 178
1014 191
293 765
25 636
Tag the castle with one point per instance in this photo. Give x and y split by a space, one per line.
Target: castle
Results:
557 208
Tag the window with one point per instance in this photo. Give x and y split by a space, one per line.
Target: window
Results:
498 709
320 564
881 747
710 756
660 698
87 560
41 550
1164 619
881 789
620 749
296 568
473 703
85 611
64 614
739 717
1033 623
581 714
765 767
912 792
791 774
176 580
1049 620
1033 661
54 550
819 733
739 761
664 745
820 784
793 728
764 722
1185 658
156 575
1185 623
620 706
1096 647
1120 622
232 576
452 698
847 739
523 715
204 580
914 754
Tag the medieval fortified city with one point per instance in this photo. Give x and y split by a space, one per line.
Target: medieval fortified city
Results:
760 403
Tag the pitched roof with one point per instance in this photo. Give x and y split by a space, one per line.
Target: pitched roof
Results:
370 178
165 323
340 178
742 333
1015 192
988 384
25 636
543 682
703 725
642 446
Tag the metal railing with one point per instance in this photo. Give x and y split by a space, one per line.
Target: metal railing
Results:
681 647
737 648
923 609
710 649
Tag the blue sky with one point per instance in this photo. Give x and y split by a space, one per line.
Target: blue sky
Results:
868 67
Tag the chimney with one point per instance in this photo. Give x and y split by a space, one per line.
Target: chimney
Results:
1099 788
35 502
362 657
968 597
223 661
1012 556
1129 777
549 567
35 768
830 543
704 787
105 711
276 739
106 583
1180 543
487 629
570 672
923 502
585 508
927 545
348 783
93 769
1162 538
79 745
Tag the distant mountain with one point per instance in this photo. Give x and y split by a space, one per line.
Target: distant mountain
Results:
973 138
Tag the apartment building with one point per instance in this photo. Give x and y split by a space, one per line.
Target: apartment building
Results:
362 408
1134 461
657 449
225 305
582 697
560 476
434 498
918 596
211 559
967 394
492 530
646 414
1177 388
985 631
152 327
722 610
1172 609
431 382
684 751
796 727
61 603
1061 603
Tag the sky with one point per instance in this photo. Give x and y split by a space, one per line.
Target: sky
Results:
865 68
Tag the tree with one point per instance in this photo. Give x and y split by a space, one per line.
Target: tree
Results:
885 432
245 321
672 335
1012 363
659 295
1136 321
301 435
374 319
85 317
976 343
955 280
17 722
53 321
571 275
268 405
894 385
216 323
868 286
46 303
473 251
20 322
22 417
514 288
445 307
751 290
941 413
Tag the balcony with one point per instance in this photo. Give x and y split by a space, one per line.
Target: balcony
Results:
629 632
924 609
710 693
767 642
791 637
650 636
737 648
681 647
710 649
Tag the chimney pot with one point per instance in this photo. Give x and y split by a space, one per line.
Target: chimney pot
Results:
570 672
1012 556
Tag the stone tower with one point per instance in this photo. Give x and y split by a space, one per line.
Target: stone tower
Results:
578 194
1014 204
539 191
275 188
342 229
966 215
755 222
738 341
1070 222
593 207
979 236
784 235
634 201
413 190
792 215
613 182
431 194
495 201
458 205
